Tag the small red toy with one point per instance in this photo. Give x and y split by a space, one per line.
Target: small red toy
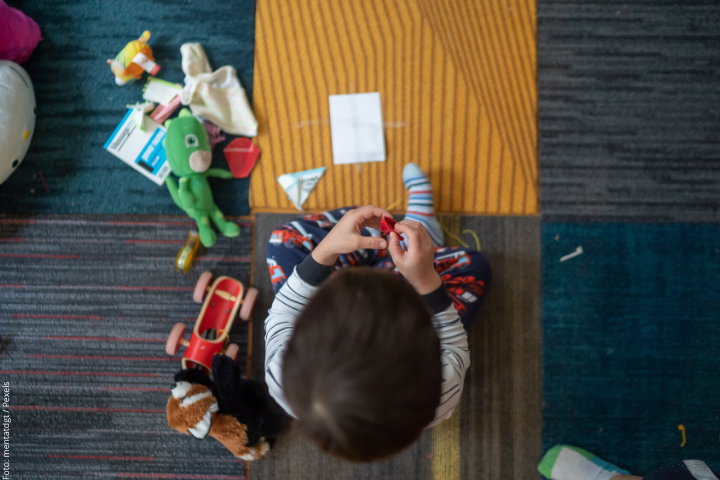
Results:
223 299
241 155
387 225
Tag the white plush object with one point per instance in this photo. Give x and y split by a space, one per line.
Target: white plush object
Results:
17 116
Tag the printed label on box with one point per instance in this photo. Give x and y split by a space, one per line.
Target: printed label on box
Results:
142 150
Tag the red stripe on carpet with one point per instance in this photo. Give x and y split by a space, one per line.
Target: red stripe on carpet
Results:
79 374
84 409
222 259
136 389
149 224
37 255
110 339
24 221
63 317
177 242
172 475
103 457
101 287
102 357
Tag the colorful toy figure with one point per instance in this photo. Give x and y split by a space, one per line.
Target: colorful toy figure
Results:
132 60
189 155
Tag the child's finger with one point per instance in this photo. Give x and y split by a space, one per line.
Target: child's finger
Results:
371 243
370 216
411 232
402 227
396 251
409 228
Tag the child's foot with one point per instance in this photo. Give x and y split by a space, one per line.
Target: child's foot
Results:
563 462
420 204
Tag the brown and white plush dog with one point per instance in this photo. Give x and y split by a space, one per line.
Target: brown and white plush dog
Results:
231 410
193 410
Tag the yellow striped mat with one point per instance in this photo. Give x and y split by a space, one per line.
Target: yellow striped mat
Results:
457 80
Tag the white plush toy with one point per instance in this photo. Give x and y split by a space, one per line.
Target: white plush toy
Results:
17 116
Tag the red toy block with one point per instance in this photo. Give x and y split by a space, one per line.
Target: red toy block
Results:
241 155
387 225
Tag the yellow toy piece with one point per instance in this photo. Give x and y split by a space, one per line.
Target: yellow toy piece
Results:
132 60
186 255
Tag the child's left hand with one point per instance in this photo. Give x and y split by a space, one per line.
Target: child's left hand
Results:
416 263
346 236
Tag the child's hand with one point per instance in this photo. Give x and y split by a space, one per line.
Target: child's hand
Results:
416 263
345 237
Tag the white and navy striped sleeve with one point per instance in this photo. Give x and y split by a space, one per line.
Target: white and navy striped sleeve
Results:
454 352
296 293
280 323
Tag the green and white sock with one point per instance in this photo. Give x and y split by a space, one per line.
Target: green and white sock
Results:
563 462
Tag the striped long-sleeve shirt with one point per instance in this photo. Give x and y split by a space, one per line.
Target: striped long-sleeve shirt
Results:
296 293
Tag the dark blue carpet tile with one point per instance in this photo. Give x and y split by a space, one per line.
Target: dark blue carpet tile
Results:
79 105
86 304
629 127
631 341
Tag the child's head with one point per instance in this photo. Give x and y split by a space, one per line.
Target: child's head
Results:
362 370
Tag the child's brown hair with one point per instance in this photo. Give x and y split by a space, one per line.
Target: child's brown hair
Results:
362 371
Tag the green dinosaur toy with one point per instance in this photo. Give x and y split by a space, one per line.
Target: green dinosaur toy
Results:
189 154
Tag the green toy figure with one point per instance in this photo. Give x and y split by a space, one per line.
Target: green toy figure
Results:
189 154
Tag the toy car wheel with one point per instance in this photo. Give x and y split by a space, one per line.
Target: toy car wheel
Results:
173 342
201 287
248 303
232 351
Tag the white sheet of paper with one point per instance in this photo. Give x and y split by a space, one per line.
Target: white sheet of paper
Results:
356 127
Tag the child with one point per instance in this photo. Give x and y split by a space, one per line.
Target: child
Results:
364 359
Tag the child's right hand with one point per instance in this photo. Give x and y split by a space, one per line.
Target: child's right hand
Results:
346 236
416 264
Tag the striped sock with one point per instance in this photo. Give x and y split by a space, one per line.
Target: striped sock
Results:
563 462
420 204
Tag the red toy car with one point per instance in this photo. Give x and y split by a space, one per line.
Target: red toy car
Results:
223 299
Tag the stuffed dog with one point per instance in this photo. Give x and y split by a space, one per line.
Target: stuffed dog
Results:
231 410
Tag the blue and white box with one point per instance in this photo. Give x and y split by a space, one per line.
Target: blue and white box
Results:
142 150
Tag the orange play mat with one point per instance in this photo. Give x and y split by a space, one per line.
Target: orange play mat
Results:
457 80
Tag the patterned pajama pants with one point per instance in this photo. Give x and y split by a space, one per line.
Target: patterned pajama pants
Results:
466 273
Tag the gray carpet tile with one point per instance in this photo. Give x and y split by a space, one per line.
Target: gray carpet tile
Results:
292 457
501 408
500 435
629 127
86 304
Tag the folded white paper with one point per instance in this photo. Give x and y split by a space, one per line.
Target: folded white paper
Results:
356 127
299 185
